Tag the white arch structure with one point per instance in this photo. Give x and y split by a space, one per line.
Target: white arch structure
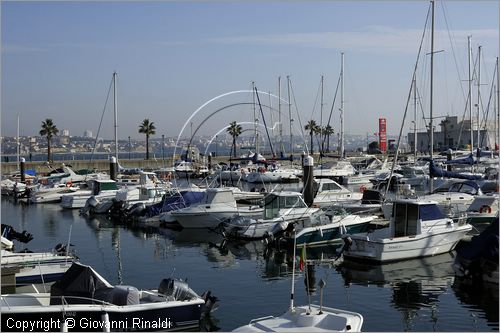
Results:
214 99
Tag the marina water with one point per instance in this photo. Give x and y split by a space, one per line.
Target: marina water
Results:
253 281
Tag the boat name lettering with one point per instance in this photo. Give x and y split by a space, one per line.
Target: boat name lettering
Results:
395 246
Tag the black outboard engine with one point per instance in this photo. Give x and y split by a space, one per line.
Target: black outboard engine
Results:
11 234
179 290
136 209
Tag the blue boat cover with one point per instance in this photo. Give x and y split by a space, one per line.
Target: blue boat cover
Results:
469 160
174 202
435 171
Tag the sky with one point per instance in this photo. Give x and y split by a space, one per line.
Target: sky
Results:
180 64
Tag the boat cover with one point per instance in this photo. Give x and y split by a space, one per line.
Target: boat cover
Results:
435 171
484 245
81 282
372 197
177 201
469 160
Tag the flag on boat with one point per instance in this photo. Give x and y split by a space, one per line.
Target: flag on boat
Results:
302 258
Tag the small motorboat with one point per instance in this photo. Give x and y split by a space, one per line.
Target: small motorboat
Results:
83 300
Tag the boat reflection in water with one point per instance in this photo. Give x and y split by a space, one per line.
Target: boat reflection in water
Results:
416 284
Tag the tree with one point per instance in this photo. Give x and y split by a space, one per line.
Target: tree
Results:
373 148
312 127
234 130
327 131
48 130
147 128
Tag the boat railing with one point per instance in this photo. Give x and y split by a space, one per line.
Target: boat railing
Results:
253 321
64 299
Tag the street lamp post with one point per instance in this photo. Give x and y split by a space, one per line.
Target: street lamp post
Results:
129 147
163 148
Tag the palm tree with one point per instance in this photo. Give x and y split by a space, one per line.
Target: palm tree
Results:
234 130
49 129
327 131
147 128
312 127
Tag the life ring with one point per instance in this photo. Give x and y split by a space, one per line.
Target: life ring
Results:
69 184
362 188
169 176
485 209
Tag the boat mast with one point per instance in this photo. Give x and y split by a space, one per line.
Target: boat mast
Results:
290 114
321 119
478 96
115 108
498 106
282 149
17 143
414 117
431 183
256 133
470 95
342 148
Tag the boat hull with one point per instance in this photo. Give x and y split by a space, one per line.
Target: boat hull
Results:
407 247
90 317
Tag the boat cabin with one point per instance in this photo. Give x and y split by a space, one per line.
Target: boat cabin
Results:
218 196
100 185
274 202
408 216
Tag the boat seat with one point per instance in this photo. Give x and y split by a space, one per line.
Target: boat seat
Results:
125 295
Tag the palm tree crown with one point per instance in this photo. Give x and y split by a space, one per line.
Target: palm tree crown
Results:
312 127
49 129
147 128
234 130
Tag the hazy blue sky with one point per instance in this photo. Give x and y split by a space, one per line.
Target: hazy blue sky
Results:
172 57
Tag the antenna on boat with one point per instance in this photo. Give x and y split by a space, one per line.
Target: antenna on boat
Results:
69 242
321 284
293 271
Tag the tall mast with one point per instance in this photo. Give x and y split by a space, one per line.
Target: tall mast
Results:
279 116
290 114
431 183
116 115
17 143
470 95
414 117
498 105
321 117
256 135
478 96
342 148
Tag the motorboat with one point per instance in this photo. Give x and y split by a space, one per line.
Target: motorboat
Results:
36 267
54 193
338 169
281 209
217 205
338 225
272 173
306 318
482 211
456 198
329 192
99 188
83 300
417 228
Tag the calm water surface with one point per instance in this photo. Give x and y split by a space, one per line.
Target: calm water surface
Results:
252 281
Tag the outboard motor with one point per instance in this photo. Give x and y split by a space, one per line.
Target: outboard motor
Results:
136 209
179 290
